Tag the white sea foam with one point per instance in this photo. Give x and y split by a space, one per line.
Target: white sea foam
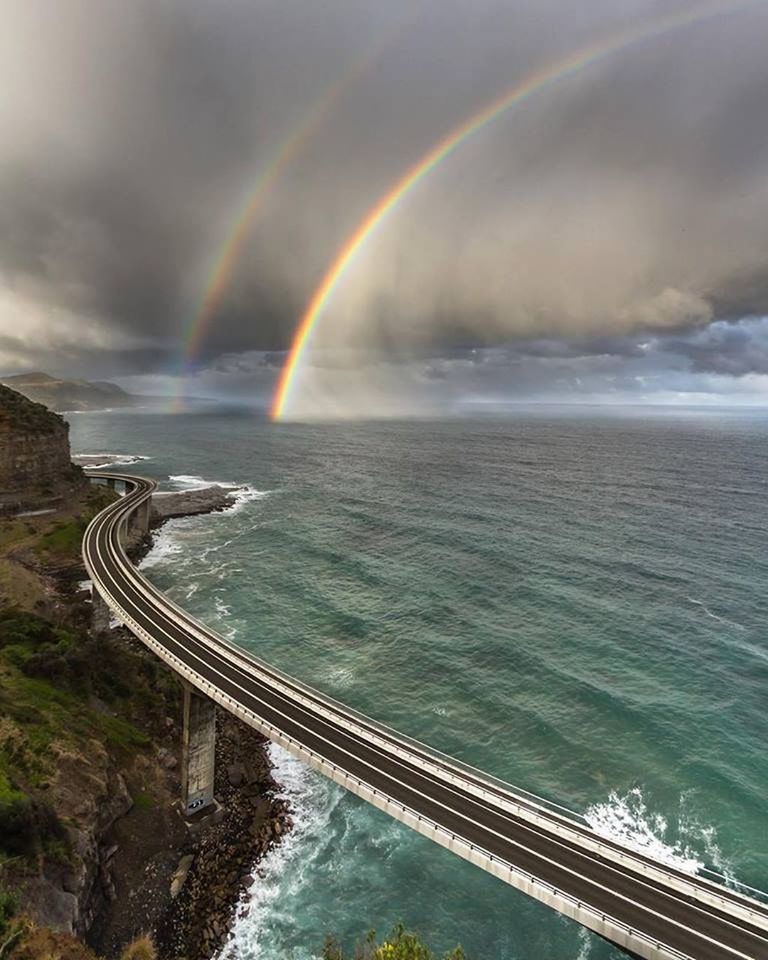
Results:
241 492
312 801
164 546
183 481
340 676
585 944
714 616
109 459
628 820
191 590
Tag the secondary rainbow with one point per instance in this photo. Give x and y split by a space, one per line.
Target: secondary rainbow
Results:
219 276
538 81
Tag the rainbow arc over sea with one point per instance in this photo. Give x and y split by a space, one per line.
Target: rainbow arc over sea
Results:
221 270
538 81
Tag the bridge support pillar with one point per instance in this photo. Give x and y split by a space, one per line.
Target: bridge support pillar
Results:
100 612
198 753
139 522
111 482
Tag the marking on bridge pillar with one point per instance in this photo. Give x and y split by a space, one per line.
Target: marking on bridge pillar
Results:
198 752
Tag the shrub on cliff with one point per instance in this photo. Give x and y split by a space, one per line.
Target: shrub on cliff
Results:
27 824
401 944
8 906
142 948
81 664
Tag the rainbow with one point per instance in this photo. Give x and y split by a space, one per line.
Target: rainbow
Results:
537 82
219 275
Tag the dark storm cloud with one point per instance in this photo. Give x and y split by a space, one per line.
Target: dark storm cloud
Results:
623 204
735 349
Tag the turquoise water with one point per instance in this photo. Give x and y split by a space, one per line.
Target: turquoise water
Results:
573 603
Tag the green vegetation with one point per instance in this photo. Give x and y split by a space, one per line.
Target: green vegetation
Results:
8 907
26 415
64 539
399 945
28 825
59 690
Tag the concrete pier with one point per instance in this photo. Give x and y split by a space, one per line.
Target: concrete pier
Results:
139 519
197 753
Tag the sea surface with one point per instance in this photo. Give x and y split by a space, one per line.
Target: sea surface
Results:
573 602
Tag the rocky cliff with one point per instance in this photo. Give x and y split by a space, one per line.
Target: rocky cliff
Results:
35 465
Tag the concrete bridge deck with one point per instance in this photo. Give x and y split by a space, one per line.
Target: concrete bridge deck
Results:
648 909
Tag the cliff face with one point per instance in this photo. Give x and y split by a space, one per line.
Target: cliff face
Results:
35 464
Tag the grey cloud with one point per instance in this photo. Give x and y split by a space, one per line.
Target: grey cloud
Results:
608 224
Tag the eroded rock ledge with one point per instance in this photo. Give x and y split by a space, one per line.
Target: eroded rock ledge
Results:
189 503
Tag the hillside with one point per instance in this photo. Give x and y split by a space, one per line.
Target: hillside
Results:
67 395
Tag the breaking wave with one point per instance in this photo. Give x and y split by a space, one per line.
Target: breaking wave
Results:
97 461
312 802
685 844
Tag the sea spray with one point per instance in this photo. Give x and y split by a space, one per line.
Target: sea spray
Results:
684 844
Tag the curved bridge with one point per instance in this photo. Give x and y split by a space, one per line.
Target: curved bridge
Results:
646 908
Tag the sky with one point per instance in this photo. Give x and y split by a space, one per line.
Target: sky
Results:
604 241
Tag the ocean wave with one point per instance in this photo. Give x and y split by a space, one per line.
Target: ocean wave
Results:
184 481
585 944
340 676
107 459
714 616
165 545
689 846
283 871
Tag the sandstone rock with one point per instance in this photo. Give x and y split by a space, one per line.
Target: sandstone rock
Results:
189 503
35 465
235 774
167 758
177 881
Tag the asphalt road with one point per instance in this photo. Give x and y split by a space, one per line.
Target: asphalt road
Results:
663 908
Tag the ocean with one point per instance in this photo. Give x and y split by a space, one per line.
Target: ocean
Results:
571 601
